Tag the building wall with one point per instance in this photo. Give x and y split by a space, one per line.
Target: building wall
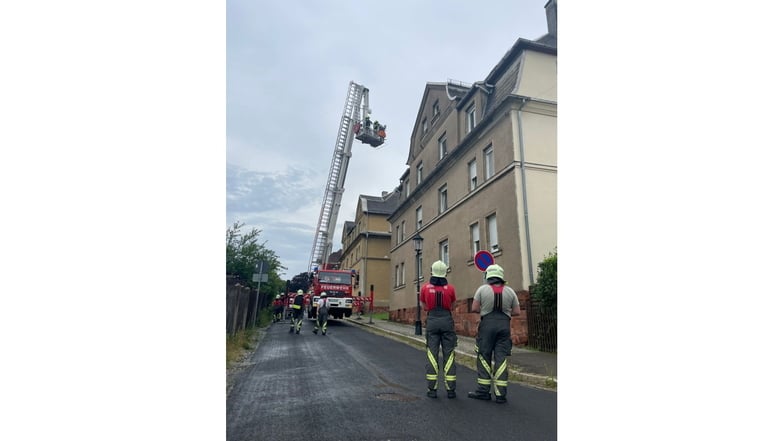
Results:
522 192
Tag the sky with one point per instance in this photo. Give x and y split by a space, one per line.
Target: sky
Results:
289 65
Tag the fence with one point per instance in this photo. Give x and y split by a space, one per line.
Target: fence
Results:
542 327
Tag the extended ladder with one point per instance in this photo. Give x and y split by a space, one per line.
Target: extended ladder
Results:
330 206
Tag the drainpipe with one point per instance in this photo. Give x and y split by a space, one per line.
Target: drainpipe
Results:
525 194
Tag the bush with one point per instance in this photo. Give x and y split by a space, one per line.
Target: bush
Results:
546 288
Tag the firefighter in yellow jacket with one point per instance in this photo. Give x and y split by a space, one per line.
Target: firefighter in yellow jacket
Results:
297 308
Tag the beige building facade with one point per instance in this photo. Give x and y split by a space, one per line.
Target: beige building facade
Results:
482 175
366 247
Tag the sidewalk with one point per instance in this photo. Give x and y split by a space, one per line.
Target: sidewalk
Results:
525 365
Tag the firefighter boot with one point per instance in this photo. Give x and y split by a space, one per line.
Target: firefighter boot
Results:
479 395
451 394
432 393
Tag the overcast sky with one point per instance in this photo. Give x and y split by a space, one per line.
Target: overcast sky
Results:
289 65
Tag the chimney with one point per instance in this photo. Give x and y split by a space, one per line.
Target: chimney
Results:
551 10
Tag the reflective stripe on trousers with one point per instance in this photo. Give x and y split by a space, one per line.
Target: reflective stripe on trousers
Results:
321 321
493 342
441 336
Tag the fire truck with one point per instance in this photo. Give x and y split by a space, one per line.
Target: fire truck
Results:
325 276
338 284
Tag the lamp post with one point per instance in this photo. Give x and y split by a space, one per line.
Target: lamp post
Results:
418 248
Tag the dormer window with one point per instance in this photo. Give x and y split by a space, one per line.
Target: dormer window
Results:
424 126
436 111
470 118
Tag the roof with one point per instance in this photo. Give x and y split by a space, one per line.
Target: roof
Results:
384 204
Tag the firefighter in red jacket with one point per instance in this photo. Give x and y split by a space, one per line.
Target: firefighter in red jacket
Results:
438 298
497 303
277 308
297 308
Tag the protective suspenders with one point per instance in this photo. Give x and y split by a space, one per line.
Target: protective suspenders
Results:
498 297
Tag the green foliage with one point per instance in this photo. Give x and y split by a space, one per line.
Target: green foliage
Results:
546 288
300 281
243 254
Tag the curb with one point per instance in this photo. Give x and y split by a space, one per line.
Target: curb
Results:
515 374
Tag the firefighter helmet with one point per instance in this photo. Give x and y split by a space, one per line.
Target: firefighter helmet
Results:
299 292
438 269
277 296
495 271
323 294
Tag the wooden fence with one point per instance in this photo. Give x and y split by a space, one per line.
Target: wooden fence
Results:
542 327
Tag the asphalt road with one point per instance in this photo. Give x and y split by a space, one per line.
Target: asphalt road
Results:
355 385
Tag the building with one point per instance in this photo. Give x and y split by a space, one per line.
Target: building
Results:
366 242
482 175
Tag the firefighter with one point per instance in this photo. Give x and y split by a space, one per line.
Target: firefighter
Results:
277 308
496 303
296 312
323 315
438 298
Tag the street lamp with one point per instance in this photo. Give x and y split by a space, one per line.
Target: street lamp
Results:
418 248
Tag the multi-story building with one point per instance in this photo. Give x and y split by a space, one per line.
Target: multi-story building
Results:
366 242
482 169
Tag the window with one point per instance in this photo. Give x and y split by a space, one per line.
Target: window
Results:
443 252
397 234
420 170
442 146
408 191
489 165
442 202
474 238
418 218
402 273
424 126
403 229
470 118
472 175
419 266
436 110
397 283
492 233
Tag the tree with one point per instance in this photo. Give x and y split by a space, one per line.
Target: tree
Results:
243 254
546 288
300 281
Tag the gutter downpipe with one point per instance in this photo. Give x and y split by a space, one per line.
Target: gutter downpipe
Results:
525 192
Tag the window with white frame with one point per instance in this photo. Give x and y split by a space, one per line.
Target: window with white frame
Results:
442 200
436 110
397 234
474 238
420 170
419 217
492 233
402 273
489 164
472 181
443 252
424 126
397 275
470 118
419 265
408 189
442 146
403 229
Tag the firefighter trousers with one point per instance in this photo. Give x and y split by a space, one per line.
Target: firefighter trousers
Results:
296 320
441 337
321 322
493 344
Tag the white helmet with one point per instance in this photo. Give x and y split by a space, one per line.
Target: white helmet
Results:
495 271
438 269
323 294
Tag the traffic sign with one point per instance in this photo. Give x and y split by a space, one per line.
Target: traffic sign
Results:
483 259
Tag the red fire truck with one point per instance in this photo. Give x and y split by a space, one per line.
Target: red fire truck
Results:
338 284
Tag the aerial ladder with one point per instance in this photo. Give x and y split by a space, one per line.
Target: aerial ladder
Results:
354 122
